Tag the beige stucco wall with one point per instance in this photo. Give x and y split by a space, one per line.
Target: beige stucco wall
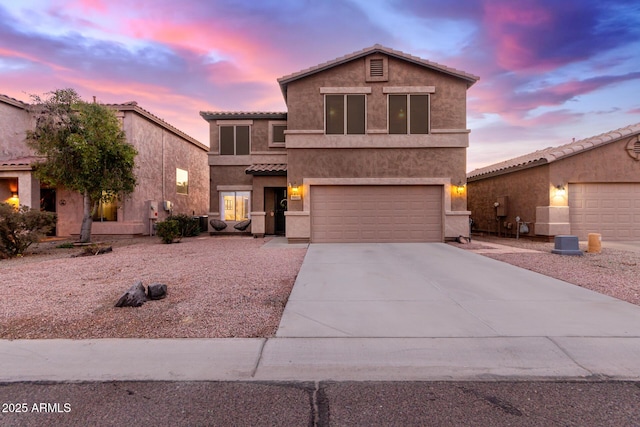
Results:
608 163
160 152
531 191
445 163
14 123
305 103
525 190
439 156
227 173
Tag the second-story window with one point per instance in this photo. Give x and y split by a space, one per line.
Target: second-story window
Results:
276 133
408 114
235 140
345 114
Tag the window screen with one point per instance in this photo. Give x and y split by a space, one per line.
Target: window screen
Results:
278 133
398 114
227 140
242 140
419 110
334 105
355 114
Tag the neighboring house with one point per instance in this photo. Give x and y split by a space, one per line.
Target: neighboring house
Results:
171 169
372 149
587 186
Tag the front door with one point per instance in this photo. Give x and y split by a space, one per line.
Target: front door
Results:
275 204
281 207
48 204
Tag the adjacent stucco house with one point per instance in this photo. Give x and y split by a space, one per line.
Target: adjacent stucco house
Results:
587 186
372 148
171 169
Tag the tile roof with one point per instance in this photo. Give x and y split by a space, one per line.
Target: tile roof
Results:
133 106
267 169
19 162
243 115
552 154
13 101
285 80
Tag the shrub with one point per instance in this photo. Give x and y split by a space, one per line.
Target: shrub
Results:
168 231
21 227
188 225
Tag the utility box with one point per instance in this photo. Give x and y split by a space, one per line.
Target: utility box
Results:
503 206
168 206
566 245
153 209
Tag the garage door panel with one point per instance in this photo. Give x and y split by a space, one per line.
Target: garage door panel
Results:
611 209
376 213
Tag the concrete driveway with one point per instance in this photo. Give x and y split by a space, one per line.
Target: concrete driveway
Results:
631 246
436 290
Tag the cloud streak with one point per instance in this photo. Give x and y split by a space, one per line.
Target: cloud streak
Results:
543 63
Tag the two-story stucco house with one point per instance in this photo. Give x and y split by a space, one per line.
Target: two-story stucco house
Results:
372 148
170 167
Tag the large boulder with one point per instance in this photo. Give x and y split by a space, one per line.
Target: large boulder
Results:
133 297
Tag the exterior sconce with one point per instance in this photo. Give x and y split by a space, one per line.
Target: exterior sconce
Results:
560 191
460 187
295 191
14 194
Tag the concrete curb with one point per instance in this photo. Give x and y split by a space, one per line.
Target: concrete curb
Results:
318 359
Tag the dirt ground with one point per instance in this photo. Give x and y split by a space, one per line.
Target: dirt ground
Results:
218 287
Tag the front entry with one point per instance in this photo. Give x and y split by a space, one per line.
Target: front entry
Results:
48 204
275 205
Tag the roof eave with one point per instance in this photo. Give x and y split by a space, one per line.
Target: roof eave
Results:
285 80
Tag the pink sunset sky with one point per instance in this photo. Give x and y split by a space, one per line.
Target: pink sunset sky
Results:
550 70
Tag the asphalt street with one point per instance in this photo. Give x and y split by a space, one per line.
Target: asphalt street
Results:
493 403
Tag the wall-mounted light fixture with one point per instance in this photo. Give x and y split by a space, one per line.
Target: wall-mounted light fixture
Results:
460 187
14 194
561 191
294 190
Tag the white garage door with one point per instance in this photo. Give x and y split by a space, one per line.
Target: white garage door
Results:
613 210
384 213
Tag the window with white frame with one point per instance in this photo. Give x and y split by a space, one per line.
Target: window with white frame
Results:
345 114
408 113
235 140
235 205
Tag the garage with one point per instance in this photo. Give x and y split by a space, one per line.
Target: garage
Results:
380 213
611 209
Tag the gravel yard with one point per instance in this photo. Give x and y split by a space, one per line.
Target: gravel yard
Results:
612 272
218 287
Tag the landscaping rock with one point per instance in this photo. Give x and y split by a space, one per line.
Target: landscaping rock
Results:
134 297
157 291
93 250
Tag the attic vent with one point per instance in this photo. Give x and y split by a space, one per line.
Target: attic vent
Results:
376 68
633 148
